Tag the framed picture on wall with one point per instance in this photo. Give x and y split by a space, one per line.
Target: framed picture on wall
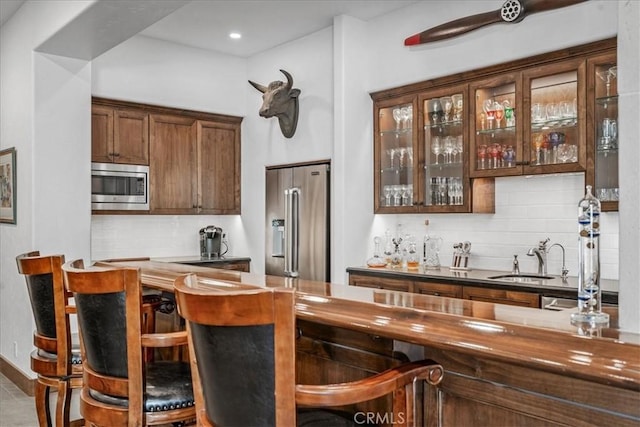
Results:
8 196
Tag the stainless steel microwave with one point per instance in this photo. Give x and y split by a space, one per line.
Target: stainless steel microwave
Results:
119 187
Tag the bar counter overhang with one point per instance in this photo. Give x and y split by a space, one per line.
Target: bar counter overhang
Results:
481 338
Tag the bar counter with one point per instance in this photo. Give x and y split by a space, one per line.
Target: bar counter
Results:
534 351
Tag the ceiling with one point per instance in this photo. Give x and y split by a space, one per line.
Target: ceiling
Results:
263 24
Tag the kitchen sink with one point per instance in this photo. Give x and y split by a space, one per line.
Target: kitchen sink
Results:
520 277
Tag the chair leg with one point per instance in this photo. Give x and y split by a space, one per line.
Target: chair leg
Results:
62 405
42 404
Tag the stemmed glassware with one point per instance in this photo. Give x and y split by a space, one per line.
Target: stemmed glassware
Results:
447 106
498 113
436 111
488 108
436 147
405 114
607 77
397 117
449 145
457 107
459 144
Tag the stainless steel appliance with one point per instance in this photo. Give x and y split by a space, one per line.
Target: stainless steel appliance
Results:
119 187
297 222
211 242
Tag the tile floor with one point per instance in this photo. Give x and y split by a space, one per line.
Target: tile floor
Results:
16 408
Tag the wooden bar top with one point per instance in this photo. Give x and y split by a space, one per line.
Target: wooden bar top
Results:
539 339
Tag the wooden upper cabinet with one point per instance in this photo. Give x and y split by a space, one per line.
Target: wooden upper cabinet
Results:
173 164
219 167
119 136
101 134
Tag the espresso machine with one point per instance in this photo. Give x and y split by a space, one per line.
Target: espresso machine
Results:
211 242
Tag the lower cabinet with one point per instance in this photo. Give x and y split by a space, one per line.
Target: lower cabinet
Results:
500 296
231 265
450 290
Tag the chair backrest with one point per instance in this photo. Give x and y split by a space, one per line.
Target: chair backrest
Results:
108 306
242 346
49 300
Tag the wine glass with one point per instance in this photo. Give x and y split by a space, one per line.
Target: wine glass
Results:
459 143
457 107
404 116
487 107
448 148
482 155
509 114
436 147
436 111
388 191
392 155
607 77
498 113
447 106
397 117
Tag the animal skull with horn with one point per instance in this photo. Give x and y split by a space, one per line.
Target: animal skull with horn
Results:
280 100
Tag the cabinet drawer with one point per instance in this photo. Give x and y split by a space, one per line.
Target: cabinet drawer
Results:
381 283
499 296
438 289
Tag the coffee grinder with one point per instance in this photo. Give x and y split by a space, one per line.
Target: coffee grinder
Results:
210 242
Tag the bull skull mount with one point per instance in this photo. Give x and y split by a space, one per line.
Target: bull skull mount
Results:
280 100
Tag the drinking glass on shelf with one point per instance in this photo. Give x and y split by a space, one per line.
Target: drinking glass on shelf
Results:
457 107
397 117
397 195
449 145
538 140
436 147
482 155
447 106
388 192
564 152
553 112
403 153
405 114
488 108
607 76
509 114
409 156
496 155
498 113
538 113
435 110
509 156
459 144
392 154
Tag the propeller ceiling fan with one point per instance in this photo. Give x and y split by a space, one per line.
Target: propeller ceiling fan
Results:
512 11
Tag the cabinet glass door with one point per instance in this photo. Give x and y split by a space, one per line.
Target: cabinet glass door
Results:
394 156
445 150
554 138
496 120
603 95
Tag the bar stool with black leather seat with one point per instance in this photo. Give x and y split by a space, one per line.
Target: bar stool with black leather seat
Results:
120 386
55 360
242 353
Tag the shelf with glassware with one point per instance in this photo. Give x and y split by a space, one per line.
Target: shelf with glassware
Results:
602 93
446 183
509 141
394 160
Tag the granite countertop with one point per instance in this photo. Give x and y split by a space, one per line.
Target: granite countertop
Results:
482 277
197 259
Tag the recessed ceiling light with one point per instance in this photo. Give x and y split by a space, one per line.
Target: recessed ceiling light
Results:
235 35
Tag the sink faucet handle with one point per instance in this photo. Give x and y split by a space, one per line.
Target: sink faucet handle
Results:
543 243
516 265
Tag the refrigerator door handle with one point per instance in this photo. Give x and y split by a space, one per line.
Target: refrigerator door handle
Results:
291 228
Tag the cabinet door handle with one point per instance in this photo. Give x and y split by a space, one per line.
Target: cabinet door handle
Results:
437 294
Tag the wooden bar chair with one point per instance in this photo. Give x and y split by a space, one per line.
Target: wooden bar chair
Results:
55 360
120 387
242 354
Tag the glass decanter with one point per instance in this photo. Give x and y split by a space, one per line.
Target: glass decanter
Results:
589 290
376 261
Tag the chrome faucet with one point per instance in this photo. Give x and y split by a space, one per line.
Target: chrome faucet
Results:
541 253
565 271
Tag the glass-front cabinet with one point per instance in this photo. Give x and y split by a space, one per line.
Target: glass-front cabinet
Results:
444 147
395 155
602 96
496 126
554 135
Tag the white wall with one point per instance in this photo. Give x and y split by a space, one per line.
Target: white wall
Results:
47 123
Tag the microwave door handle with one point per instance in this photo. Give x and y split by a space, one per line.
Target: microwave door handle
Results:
291 219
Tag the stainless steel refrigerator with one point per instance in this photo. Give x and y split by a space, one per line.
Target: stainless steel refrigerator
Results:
297 222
